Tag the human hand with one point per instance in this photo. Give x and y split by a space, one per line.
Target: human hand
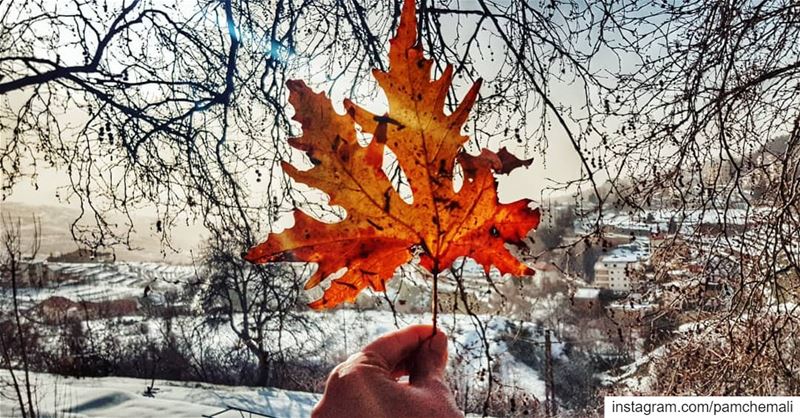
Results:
366 384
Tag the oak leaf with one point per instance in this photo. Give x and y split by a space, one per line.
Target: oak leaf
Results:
381 231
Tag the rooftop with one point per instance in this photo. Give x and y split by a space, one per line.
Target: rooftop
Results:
587 293
624 254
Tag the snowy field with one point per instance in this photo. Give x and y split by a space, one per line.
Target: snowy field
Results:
123 397
118 397
108 397
339 333
333 336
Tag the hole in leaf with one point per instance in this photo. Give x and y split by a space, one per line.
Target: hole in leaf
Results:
397 176
458 177
363 138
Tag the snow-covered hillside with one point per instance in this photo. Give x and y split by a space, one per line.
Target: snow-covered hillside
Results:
92 282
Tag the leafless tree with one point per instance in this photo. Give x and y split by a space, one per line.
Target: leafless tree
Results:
263 306
14 339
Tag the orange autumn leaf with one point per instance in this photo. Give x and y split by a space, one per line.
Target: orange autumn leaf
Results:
381 231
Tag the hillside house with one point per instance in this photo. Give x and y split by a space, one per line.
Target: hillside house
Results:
618 270
57 309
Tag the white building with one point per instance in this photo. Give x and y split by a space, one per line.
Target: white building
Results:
617 270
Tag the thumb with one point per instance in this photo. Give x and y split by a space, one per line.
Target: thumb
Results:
430 359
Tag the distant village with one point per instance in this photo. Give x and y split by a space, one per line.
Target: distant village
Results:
629 262
82 284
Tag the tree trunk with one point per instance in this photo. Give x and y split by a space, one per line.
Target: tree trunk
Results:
264 370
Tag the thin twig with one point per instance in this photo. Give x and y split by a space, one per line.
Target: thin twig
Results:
435 303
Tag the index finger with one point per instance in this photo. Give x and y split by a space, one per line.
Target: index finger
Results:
392 348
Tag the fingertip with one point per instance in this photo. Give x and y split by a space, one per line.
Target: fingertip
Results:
423 331
431 359
438 342
394 347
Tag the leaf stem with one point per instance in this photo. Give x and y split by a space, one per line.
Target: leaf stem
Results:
435 302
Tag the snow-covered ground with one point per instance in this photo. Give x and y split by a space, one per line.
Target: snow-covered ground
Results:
107 397
337 334
333 336
121 397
